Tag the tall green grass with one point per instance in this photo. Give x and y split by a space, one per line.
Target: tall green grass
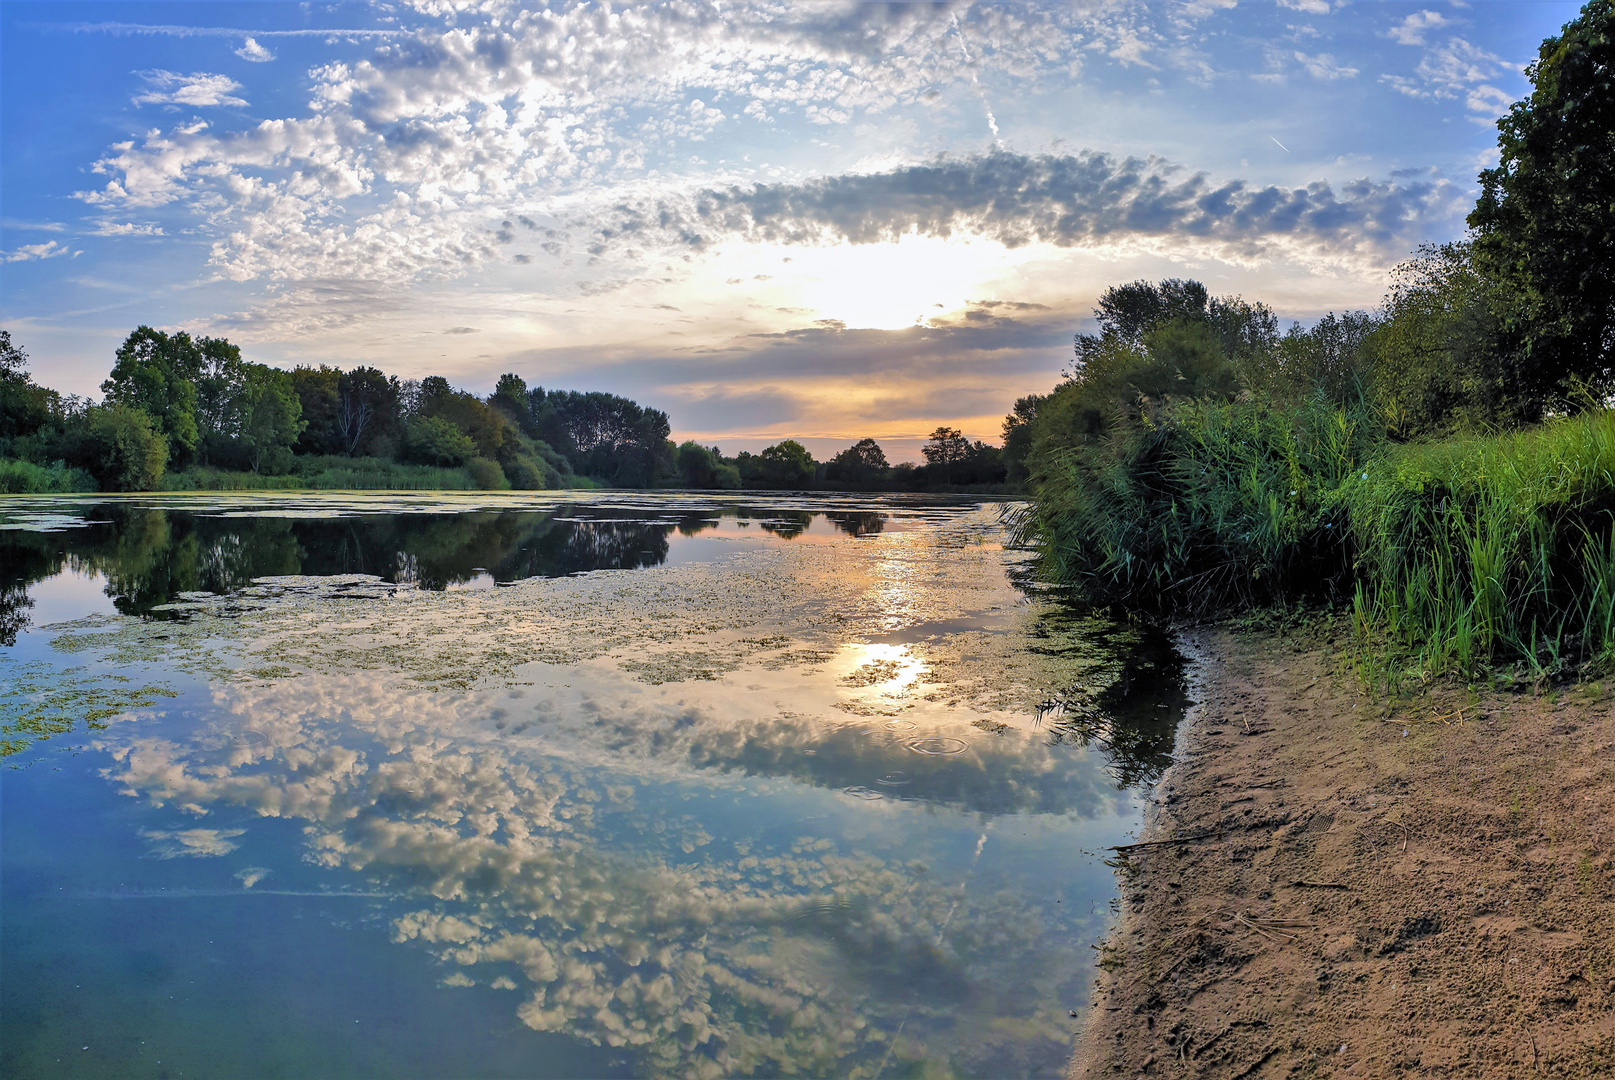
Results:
1208 506
1452 557
326 473
25 477
1475 551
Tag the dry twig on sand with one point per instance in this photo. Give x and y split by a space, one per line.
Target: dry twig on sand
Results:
1162 843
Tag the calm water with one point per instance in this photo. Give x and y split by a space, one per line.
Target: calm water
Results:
651 785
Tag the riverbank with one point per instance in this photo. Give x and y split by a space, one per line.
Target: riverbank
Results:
1376 890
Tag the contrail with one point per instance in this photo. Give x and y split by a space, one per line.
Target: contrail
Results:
992 121
172 30
1280 145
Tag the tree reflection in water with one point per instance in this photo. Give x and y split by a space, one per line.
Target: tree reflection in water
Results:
151 555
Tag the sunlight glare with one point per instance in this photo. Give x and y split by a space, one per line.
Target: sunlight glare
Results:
892 286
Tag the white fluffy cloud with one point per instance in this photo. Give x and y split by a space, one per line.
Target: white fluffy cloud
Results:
410 157
256 53
197 89
1411 30
50 249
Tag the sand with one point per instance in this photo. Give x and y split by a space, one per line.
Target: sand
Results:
1376 888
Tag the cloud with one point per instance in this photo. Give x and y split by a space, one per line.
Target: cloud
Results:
51 249
199 843
113 228
408 152
251 876
1310 7
32 226
1411 30
1089 199
1457 69
256 53
197 89
1324 66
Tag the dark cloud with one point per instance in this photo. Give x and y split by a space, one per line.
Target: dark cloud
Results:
1084 199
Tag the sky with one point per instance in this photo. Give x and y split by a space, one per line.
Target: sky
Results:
819 221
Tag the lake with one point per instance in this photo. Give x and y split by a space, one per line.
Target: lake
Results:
554 785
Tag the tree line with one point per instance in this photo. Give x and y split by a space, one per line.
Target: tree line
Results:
182 410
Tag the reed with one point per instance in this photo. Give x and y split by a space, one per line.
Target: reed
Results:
1452 557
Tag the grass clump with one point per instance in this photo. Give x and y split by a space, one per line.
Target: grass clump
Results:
27 478
1501 548
323 472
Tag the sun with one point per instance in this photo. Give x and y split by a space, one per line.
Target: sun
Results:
889 286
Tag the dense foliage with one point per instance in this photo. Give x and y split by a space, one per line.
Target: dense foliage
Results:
1445 466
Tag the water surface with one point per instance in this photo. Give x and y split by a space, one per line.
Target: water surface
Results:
526 785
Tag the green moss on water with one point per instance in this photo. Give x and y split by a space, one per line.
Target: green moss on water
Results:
41 702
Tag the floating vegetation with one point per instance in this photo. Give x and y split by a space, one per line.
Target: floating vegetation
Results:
872 673
40 701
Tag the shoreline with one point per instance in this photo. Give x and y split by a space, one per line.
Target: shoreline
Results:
1362 887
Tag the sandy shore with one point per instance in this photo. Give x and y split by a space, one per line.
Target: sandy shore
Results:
1336 886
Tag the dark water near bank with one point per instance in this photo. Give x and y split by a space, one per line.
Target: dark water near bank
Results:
418 785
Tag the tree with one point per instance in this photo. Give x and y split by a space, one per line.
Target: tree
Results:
433 441
366 410
1437 357
123 449
25 407
1018 435
604 436
703 467
1544 225
274 422
862 464
945 449
784 465
318 393
223 397
157 373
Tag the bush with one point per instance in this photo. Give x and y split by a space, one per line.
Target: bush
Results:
122 449
429 440
487 475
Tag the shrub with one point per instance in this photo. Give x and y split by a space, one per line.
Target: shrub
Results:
122 448
487 475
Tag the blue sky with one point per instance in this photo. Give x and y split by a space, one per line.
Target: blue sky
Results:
813 220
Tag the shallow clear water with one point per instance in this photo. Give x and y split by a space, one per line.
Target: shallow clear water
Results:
420 785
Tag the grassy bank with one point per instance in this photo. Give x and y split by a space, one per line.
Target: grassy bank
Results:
327 473
1452 556
26 478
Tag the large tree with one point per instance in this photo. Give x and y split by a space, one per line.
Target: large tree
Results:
861 464
1545 222
274 421
367 410
157 373
944 451
25 406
